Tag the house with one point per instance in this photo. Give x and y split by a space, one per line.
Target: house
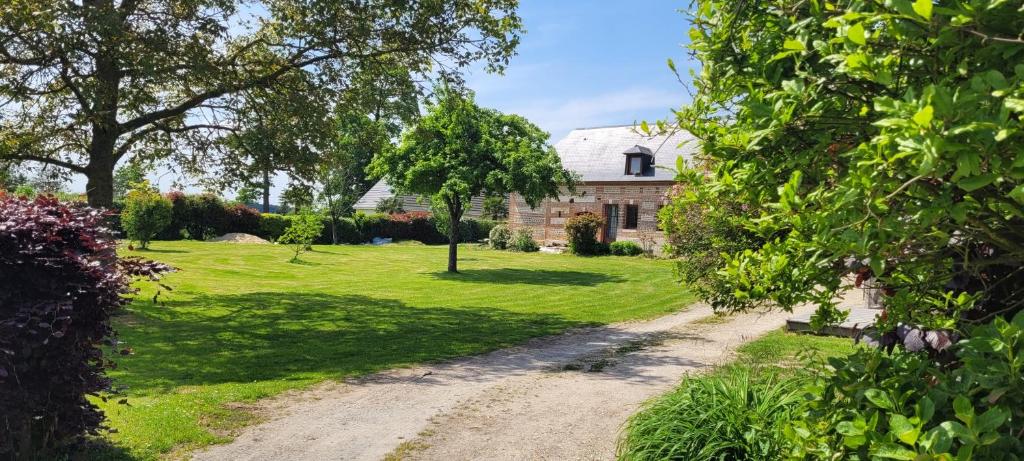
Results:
380 191
620 181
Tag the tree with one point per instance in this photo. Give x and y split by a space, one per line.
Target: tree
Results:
875 139
303 231
342 177
126 177
146 213
89 83
391 205
496 207
459 150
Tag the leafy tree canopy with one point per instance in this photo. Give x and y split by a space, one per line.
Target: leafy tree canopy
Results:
85 84
459 150
881 139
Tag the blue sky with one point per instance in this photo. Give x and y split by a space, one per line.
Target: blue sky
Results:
590 63
582 63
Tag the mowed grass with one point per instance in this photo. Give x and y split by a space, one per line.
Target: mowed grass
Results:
242 324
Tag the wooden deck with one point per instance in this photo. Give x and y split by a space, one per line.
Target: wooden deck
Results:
860 317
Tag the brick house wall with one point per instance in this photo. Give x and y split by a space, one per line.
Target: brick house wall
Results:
547 221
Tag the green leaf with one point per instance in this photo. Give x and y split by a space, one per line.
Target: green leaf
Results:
923 117
878 396
991 419
1014 104
923 8
900 426
893 451
671 64
937 440
856 34
795 45
974 183
964 410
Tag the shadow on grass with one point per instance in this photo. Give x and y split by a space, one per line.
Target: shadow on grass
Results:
160 250
529 277
214 339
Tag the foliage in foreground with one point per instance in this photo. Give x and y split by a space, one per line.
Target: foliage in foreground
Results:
146 213
879 142
730 416
738 411
62 281
900 405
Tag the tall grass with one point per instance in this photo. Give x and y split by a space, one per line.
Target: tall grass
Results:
735 414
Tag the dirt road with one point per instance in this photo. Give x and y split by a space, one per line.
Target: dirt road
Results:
559 398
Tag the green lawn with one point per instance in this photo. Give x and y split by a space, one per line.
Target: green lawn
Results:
242 323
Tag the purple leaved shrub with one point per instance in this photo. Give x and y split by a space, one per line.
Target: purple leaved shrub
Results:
60 281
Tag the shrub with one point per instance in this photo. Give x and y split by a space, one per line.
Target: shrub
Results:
241 218
303 231
500 236
522 240
581 231
145 213
625 248
176 229
726 416
475 230
272 226
62 280
390 205
205 216
903 404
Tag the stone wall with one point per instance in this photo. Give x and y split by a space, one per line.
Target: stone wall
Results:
547 221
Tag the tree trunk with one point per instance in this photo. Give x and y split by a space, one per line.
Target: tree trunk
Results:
266 191
99 187
454 216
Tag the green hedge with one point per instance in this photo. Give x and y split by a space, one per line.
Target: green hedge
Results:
203 216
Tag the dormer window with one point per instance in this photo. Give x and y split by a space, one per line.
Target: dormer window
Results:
639 161
634 164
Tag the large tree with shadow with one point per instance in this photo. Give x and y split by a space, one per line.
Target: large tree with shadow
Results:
460 150
88 83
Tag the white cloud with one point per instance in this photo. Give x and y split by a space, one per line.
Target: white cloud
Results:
610 108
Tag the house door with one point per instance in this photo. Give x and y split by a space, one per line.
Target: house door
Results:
611 217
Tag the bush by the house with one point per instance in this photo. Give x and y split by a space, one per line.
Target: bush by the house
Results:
303 231
625 248
146 213
726 416
390 205
499 237
581 231
522 240
62 281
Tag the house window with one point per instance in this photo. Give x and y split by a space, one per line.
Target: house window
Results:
634 164
632 216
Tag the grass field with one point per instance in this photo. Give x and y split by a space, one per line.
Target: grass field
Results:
242 323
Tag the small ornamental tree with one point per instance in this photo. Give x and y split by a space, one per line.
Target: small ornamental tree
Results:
304 230
581 231
146 213
460 150
62 280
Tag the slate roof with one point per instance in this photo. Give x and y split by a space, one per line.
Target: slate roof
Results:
368 202
596 154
